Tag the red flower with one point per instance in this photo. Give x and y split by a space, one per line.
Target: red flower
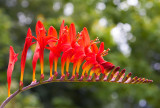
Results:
76 48
80 49
69 35
54 50
12 59
34 61
72 47
27 44
84 38
43 40
101 52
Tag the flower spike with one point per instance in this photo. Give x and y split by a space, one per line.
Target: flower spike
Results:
71 47
78 48
12 59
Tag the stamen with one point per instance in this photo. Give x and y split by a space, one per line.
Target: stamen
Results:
95 41
105 52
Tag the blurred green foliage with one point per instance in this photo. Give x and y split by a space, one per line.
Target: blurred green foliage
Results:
138 23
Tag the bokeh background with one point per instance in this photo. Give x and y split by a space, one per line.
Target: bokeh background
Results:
130 28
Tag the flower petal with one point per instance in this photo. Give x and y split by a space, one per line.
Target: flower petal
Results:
40 30
12 59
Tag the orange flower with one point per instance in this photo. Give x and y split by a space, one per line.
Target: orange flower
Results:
76 48
69 39
99 58
43 40
12 59
72 47
54 51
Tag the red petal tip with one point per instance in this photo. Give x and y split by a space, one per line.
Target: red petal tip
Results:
130 74
29 29
123 70
29 32
117 68
40 25
112 67
101 48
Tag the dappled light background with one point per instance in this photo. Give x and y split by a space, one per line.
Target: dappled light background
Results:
130 28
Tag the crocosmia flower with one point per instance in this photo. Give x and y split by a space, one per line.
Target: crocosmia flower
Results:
42 40
75 48
12 59
54 51
27 44
69 47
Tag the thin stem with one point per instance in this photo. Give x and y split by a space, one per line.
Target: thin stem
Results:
9 98
24 89
50 80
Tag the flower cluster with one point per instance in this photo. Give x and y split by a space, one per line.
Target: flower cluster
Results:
72 47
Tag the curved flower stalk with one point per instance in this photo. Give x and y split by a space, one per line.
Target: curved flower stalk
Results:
71 47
